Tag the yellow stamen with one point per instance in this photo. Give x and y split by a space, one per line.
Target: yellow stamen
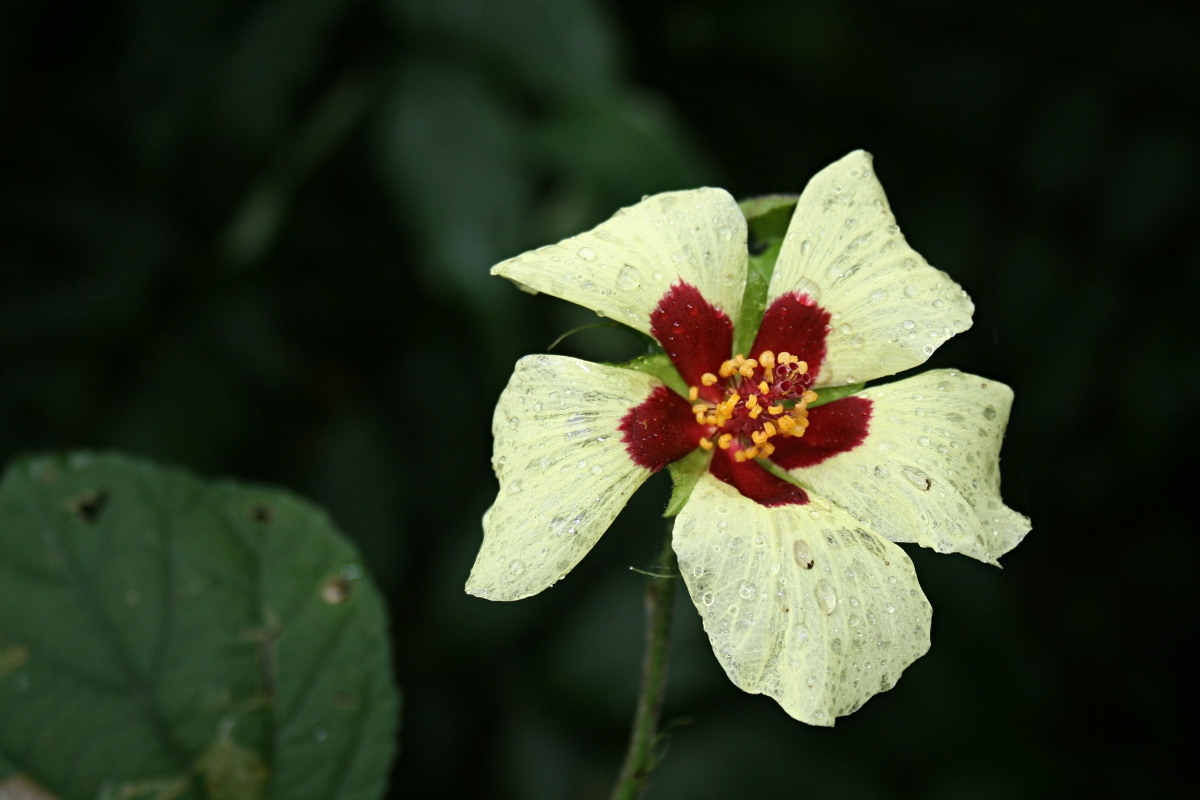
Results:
739 456
784 358
705 443
767 359
754 412
778 409
751 453
703 419
787 424
802 366
708 379
769 429
751 401
710 419
763 388
693 393
699 408
727 369
724 441
746 371
809 396
758 437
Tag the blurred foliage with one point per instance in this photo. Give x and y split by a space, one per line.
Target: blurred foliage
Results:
252 238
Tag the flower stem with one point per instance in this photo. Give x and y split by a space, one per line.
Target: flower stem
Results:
642 755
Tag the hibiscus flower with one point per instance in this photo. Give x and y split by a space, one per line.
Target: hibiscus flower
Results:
795 481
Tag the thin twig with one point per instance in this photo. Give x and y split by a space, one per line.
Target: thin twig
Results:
643 754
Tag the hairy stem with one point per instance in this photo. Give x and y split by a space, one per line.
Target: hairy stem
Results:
642 756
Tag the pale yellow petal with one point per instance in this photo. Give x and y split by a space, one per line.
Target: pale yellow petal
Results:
889 309
622 268
801 603
929 469
564 472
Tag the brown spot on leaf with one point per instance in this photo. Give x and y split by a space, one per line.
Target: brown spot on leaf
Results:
12 658
18 787
336 591
262 514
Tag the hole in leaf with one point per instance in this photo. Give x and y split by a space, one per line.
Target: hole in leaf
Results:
88 505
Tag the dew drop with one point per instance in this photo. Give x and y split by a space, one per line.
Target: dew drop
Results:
909 324
911 291
587 254
803 554
516 567
881 472
806 287
917 478
629 277
707 599
746 590
826 599
989 413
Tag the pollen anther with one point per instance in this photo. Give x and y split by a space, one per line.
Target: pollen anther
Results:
705 443
693 393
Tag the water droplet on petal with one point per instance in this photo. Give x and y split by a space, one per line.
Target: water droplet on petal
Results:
826 599
917 478
629 277
587 254
802 554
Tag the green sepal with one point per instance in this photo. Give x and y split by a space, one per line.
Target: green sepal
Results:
779 472
767 220
659 365
684 474
574 331
831 393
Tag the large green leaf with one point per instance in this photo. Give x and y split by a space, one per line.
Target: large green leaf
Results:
167 637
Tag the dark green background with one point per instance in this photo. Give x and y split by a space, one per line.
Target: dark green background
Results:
253 238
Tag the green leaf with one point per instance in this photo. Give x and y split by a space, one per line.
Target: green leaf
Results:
659 365
767 219
831 393
172 637
684 474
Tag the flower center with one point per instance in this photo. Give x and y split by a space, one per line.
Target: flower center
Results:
764 398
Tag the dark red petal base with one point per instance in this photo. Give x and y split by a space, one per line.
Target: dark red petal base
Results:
660 430
833 428
794 324
696 335
755 482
